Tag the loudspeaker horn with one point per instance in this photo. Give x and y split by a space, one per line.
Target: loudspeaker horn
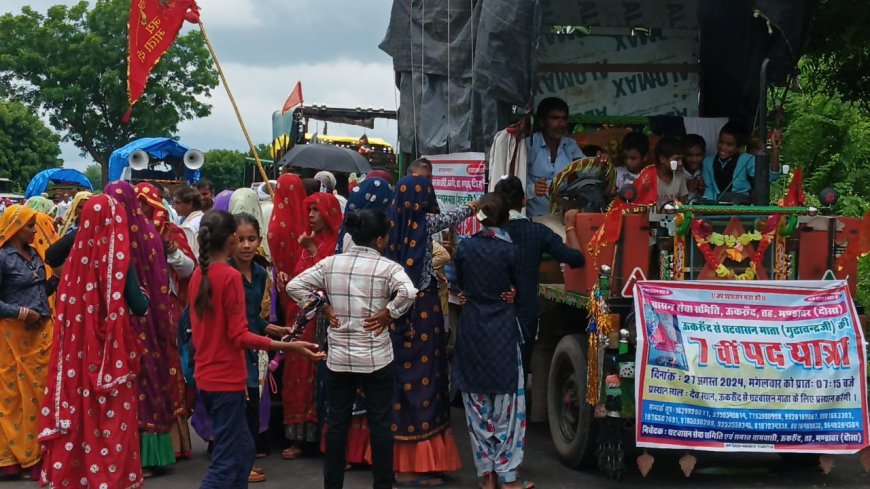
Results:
194 159
138 160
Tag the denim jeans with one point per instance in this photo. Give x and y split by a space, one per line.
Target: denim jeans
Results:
378 389
232 457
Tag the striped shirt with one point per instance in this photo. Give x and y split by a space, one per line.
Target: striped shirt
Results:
359 283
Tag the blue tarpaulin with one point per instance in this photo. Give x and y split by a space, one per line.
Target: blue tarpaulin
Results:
40 181
157 148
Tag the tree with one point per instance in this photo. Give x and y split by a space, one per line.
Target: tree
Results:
72 64
224 168
837 57
27 146
95 175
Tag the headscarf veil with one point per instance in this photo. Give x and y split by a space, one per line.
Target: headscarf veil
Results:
92 318
371 193
408 231
288 222
74 210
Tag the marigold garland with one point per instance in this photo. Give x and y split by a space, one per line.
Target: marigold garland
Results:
734 245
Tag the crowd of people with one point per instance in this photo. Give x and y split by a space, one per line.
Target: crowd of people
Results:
130 316
145 311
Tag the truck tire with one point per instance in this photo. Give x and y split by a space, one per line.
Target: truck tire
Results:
569 416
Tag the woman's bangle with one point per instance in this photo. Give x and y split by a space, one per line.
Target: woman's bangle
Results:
22 313
569 228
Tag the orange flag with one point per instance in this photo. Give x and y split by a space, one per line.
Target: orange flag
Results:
294 99
153 27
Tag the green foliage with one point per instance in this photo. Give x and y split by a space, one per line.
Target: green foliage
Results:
837 57
95 175
71 62
830 140
225 168
27 146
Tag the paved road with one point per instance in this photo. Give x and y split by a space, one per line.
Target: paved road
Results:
715 471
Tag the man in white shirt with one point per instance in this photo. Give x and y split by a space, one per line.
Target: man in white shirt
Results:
359 284
63 206
188 204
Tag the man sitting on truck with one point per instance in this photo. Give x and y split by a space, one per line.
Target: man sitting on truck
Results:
549 153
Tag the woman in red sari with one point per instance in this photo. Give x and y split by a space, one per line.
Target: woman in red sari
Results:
301 422
88 421
182 262
286 225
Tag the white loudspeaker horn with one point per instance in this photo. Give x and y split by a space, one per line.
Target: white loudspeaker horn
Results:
138 160
194 159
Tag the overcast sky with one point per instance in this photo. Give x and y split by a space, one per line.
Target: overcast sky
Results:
265 46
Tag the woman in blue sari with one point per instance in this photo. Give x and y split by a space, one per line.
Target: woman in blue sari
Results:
424 445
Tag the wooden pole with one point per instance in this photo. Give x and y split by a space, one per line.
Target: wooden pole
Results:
238 114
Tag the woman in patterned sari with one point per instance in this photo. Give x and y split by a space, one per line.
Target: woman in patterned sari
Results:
26 285
156 331
96 297
286 225
181 262
301 421
424 444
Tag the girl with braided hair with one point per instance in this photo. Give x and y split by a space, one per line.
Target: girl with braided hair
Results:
220 333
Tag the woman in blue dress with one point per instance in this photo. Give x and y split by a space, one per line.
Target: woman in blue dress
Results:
487 360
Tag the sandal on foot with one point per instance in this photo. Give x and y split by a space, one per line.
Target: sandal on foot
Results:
291 453
255 477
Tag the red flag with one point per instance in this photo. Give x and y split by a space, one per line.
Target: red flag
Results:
294 99
795 195
646 184
153 27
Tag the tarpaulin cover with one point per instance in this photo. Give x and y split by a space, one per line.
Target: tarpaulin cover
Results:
461 70
157 148
40 181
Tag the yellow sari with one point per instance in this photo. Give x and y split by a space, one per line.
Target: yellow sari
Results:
24 356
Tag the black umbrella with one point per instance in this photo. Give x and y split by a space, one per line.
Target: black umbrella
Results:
328 157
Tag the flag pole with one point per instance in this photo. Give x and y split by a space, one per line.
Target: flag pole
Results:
236 109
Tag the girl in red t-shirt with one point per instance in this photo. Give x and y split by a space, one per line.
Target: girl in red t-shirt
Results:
220 335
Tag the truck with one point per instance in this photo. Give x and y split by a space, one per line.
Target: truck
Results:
659 67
